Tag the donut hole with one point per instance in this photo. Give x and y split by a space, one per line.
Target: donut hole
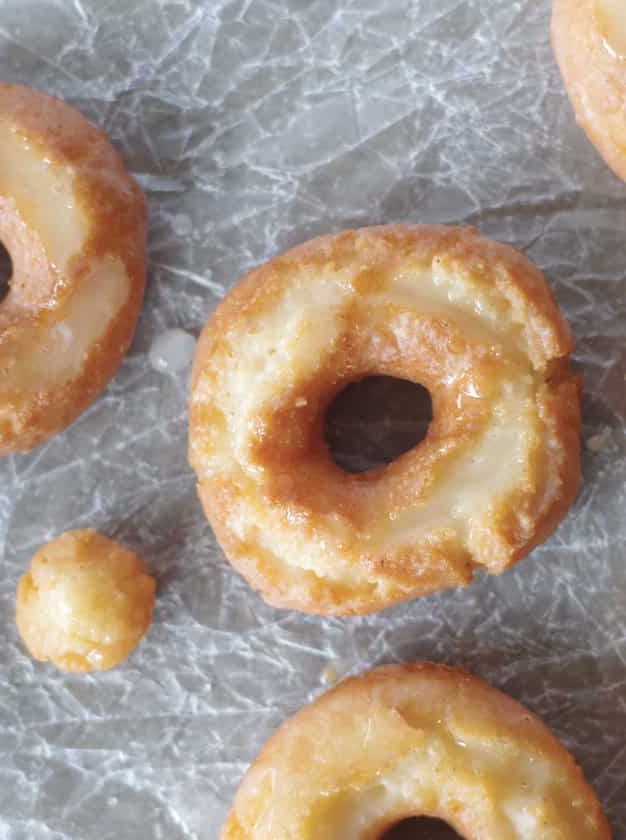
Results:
6 271
421 828
374 421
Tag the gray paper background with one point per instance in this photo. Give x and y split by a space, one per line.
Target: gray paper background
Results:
253 125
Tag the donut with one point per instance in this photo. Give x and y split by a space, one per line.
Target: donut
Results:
74 224
470 320
414 740
589 41
85 602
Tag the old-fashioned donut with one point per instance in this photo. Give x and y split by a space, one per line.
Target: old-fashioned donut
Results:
471 320
414 740
589 40
74 224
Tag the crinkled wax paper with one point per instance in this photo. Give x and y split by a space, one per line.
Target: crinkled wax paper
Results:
253 125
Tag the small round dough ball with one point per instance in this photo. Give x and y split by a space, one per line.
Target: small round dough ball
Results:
85 603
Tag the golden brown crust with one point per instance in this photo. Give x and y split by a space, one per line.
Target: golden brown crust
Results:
85 603
594 76
115 210
414 740
470 319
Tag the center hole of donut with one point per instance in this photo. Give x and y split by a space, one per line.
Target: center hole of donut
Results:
6 272
421 828
374 421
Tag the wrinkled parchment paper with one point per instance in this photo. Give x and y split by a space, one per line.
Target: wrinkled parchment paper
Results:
253 125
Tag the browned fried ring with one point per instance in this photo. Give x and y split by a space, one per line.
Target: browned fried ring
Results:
74 223
414 740
470 319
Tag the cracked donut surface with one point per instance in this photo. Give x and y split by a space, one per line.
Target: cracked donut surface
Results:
74 224
589 40
414 740
471 320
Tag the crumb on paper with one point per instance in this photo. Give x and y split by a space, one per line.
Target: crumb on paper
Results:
182 224
329 675
172 351
600 441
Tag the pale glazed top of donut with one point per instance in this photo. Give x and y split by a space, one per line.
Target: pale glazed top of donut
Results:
471 320
74 223
414 740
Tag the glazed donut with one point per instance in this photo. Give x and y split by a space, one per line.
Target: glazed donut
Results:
471 320
414 740
85 602
589 40
74 224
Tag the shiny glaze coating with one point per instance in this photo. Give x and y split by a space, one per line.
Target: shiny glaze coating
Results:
471 320
414 740
74 223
